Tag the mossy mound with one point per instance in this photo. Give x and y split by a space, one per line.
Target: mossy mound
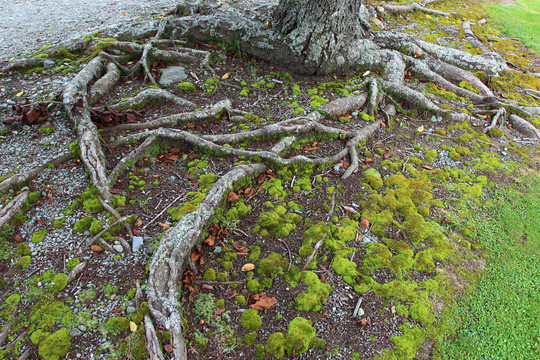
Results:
251 320
55 346
272 265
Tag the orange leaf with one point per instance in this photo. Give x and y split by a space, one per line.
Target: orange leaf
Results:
233 197
136 232
210 240
96 248
369 160
428 167
168 348
190 125
138 222
196 255
240 248
164 226
364 222
225 76
117 310
264 302
386 155
174 151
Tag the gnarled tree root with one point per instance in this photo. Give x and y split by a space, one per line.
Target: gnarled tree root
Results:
168 260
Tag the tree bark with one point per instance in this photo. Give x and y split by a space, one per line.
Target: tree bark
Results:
321 31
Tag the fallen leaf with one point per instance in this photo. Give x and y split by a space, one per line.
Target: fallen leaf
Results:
360 237
207 287
117 310
393 309
240 248
428 167
420 129
96 248
363 322
168 348
136 232
164 226
210 240
188 277
369 160
364 222
174 151
248 267
386 155
196 255
267 23
19 94
138 222
219 311
264 302
132 326
17 238
418 54
225 76
233 197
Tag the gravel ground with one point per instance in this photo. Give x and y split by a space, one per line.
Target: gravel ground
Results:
26 25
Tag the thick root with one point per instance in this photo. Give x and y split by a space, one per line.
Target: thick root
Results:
13 207
168 260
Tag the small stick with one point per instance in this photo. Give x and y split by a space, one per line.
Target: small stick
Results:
162 211
95 238
76 271
290 256
315 249
241 232
357 307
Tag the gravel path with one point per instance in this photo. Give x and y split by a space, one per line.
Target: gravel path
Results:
30 24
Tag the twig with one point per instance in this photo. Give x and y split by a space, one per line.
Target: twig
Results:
162 211
315 249
290 255
98 236
357 307
241 232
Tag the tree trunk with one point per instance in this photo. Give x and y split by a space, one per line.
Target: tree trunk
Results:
322 32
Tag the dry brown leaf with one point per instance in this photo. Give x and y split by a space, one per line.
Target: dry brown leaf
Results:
349 209
210 240
233 197
364 222
240 248
428 167
138 222
360 237
168 348
136 232
219 311
96 248
248 267
225 76
132 326
174 151
207 287
164 226
196 255
264 302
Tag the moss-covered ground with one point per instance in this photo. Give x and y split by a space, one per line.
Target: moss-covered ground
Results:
427 241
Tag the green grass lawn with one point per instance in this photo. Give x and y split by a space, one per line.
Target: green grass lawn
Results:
521 20
500 319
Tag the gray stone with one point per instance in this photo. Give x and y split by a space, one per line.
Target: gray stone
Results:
172 74
360 312
82 327
48 64
137 243
131 309
75 332
217 249
118 248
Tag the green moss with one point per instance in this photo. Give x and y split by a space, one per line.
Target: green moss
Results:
23 262
346 268
95 227
46 130
496 132
70 265
55 346
22 249
441 132
240 299
220 303
38 236
377 256
251 320
227 265
278 222
373 178
83 224
254 285
222 277
316 293
272 265
38 336
186 86
58 223
59 283
249 338
209 275
301 337
255 253
405 346
275 345
116 325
